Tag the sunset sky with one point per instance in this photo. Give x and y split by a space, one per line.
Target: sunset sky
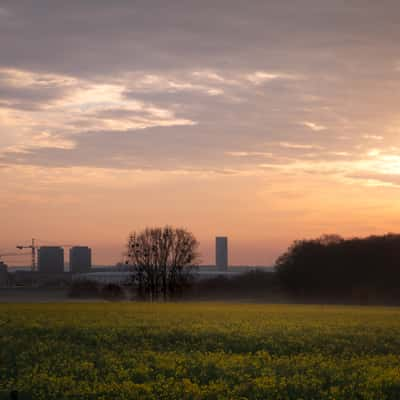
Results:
264 121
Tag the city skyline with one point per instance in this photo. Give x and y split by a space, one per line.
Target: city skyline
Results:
267 122
79 256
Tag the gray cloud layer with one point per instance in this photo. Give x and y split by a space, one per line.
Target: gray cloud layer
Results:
83 37
214 85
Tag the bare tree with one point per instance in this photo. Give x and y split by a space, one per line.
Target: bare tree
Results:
163 259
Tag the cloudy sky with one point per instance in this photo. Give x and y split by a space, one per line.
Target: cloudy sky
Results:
264 121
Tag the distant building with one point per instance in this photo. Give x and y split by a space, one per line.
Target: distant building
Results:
117 277
4 275
51 259
37 279
221 252
80 259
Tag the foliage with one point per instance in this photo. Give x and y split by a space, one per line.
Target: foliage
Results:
332 266
113 292
84 289
162 259
91 290
249 285
199 351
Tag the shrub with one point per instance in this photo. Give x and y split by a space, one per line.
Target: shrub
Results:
112 292
84 289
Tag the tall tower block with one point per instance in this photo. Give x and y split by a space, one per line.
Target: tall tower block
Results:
221 252
80 259
51 259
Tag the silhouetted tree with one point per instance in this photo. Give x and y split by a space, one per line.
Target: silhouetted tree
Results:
162 259
332 266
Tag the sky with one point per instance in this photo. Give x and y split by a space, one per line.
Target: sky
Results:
263 121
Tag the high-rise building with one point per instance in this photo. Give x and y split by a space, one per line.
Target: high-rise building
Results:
80 259
51 259
221 252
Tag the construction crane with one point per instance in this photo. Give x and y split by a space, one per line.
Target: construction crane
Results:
33 248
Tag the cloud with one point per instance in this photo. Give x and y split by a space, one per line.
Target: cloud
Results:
373 137
314 126
373 152
45 139
47 110
22 89
261 77
171 84
248 153
382 170
23 79
216 77
377 179
178 86
151 100
4 12
298 146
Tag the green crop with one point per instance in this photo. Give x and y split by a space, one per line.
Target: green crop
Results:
199 351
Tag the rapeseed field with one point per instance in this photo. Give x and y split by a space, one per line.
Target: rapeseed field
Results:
199 351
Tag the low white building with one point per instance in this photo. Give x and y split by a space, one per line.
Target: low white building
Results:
200 273
117 277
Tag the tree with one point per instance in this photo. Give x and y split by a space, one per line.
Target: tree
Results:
334 267
162 259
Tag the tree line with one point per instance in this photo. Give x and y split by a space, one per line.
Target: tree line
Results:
326 268
331 266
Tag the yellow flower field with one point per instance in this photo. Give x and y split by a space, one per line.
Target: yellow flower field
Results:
199 351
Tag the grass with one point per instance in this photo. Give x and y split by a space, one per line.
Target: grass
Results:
199 351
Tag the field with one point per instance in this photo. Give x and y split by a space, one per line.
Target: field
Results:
199 351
